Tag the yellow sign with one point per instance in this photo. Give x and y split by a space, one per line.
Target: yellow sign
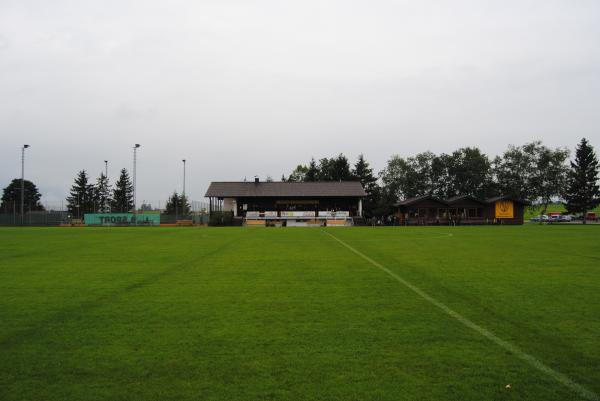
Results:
505 209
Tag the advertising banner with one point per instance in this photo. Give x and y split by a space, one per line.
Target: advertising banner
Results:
331 214
252 214
298 214
121 219
504 209
271 214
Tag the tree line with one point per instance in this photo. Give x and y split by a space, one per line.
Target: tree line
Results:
101 197
532 172
86 196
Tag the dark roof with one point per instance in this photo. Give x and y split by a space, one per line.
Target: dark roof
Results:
416 199
332 189
499 198
456 199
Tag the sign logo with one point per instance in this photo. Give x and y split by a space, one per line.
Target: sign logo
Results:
505 209
121 219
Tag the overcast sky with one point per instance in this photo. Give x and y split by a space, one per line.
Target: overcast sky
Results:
246 87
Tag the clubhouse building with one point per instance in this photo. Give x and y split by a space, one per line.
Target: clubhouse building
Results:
466 210
331 203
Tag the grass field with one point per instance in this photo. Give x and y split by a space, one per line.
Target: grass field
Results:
300 314
553 207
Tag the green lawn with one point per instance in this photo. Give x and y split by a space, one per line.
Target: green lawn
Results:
292 314
553 207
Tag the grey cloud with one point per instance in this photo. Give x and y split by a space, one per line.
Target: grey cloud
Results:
240 88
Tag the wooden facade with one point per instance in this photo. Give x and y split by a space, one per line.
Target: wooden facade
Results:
460 210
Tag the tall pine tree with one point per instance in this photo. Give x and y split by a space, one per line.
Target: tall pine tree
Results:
583 193
178 205
102 194
312 173
122 197
364 173
81 197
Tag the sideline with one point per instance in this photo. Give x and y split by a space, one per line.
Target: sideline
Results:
513 349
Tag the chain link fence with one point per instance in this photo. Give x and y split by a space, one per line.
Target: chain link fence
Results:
56 214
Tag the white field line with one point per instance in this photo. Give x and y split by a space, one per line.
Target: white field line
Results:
513 349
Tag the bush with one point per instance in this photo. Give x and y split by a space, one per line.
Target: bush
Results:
220 219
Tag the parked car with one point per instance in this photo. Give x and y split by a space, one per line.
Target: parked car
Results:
555 218
537 218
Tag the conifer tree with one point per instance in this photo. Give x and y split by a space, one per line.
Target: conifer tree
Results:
102 194
81 197
122 197
312 173
583 192
178 205
364 173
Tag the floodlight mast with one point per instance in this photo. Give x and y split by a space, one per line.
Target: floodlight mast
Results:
23 183
183 177
135 148
106 206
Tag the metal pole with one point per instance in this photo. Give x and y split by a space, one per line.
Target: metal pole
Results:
23 183
183 177
106 206
137 145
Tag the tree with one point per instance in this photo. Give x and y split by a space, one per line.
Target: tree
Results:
550 175
178 205
399 179
583 193
299 174
11 197
334 169
146 207
122 197
312 172
442 185
413 176
324 170
469 173
515 169
340 169
364 173
102 196
81 197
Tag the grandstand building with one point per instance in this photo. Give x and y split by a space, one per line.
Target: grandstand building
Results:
288 203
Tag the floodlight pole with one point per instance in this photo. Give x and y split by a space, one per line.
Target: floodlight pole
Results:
183 177
106 207
23 183
135 148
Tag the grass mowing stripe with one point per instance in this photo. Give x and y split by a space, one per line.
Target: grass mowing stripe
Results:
513 349
111 296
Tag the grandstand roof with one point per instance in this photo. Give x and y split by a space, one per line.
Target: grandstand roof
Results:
320 189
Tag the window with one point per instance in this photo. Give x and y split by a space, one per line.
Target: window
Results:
475 213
